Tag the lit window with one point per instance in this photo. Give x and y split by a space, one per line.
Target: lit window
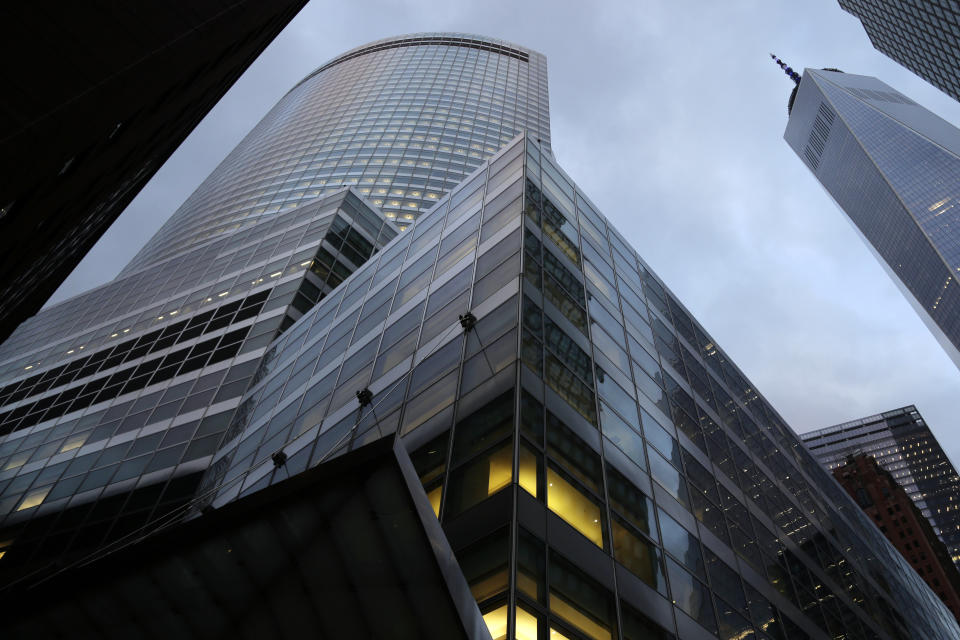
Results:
34 498
575 507
529 471
434 496
74 442
527 626
497 623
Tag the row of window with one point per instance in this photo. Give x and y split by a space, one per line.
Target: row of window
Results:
162 280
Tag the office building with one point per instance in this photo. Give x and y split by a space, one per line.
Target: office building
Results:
922 36
902 444
899 519
581 456
278 225
96 97
894 169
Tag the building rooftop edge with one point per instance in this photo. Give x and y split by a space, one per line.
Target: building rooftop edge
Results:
810 435
467 39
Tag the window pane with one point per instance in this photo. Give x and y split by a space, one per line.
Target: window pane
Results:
691 595
623 436
638 555
531 565
631 503
479 479
497 623
574 506
484 565
528 627
529 471
678 542
564 446
667 476
580 601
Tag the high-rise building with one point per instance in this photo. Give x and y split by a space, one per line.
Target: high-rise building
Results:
287 215
894 169
582 458
886 503
923 36
902 444
103 98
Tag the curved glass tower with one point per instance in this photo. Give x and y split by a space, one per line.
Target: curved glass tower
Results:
402 119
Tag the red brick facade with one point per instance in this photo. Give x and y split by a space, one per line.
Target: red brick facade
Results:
894 513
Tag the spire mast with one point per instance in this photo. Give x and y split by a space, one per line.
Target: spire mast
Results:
787 70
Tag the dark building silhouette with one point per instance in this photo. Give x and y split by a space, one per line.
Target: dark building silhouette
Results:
96 96
883 499
922 35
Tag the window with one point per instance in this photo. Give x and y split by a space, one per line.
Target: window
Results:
579 601
575 506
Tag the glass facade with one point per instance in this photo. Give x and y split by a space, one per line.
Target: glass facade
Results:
119 428
599 467
892 167
922 35
902 443
402 119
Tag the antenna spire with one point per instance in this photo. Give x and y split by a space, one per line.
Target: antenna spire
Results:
787 70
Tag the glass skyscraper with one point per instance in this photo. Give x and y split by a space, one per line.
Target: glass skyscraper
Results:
922 35
591 462
902 443
894 169
346 159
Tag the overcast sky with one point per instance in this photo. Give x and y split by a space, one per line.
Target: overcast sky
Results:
670 116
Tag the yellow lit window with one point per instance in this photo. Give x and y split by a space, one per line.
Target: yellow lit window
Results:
501 470
528 471
497 623
434 496
528 627
17 461
34 498
573 506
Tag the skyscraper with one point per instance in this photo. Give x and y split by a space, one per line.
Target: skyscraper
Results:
369 139
102 100
597 464
894 169
922 36
903 444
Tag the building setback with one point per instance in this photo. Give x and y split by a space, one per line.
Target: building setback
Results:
97 100
591 462
894 168
883 499
902 444
922 36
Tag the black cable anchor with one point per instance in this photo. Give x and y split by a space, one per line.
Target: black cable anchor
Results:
364 396
279 458
468 321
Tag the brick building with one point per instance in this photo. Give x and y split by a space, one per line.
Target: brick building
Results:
892 510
